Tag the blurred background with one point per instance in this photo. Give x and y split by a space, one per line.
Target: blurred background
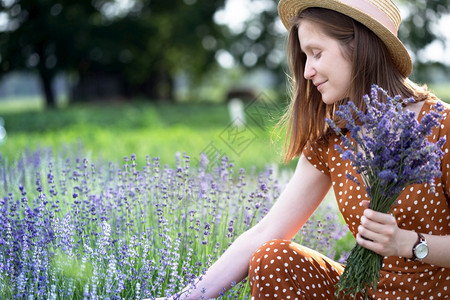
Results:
155 77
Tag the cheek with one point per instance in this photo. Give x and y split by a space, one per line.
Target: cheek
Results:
345 74
342 83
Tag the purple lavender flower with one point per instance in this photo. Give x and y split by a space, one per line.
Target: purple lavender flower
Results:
393 147
390 151
106 231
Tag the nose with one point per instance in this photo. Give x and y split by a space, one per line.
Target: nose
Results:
309 71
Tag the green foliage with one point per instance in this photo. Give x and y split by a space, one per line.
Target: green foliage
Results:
69 267
46 37
417 28
262 39
141 49
261 44
418 31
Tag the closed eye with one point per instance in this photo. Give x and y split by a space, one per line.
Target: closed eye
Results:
317 55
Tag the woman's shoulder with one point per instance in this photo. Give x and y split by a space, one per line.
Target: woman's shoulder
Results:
432 99
428 105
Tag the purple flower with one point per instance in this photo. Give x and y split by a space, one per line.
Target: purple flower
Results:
390 151
108 229
393 148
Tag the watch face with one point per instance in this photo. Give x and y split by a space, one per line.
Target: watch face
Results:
421 251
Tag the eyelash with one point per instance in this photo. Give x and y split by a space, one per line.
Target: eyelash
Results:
317 55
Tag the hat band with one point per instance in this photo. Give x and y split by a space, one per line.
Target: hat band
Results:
373 11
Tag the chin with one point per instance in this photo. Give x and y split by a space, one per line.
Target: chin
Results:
329 101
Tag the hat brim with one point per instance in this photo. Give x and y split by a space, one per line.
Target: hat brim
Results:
289 9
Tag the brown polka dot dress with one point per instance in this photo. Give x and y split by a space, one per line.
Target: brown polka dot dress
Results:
281 269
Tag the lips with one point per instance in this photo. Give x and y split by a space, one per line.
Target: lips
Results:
319 85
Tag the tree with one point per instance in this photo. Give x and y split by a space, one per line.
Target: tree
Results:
137 52
418 31
141 50
165 38
44 36
261 43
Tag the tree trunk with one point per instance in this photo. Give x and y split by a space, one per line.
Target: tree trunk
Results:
46 83
158 87
46 76
99 86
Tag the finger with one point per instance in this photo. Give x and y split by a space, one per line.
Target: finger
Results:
379 217
385 229
365 203
368 244
371 225
374 236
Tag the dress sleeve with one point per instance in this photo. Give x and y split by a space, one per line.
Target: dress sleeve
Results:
317 156
444 131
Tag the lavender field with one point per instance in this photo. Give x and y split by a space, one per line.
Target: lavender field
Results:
78 229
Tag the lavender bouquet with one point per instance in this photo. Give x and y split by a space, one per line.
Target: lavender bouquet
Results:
390 150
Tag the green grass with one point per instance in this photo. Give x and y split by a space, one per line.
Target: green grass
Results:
108 133
111 132
20 104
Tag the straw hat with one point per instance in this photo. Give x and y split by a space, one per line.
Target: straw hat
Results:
380 16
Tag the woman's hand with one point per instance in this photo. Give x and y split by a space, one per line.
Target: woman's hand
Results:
380 233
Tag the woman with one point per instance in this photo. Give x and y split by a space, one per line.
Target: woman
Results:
337 50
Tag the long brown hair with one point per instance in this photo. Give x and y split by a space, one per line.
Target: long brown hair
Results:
371 64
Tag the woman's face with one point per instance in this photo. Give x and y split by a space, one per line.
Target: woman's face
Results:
326 66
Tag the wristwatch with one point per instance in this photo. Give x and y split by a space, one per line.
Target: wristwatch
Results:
420 248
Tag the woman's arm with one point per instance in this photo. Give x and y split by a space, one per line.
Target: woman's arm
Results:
302 195
387 239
